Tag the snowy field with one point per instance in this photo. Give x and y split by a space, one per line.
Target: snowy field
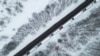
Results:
79 37
21 21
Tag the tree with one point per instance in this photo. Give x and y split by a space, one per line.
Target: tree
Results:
8 48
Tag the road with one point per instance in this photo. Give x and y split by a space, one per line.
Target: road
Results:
53 28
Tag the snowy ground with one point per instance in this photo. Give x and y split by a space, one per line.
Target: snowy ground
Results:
18 19
6 28
79 37
49 24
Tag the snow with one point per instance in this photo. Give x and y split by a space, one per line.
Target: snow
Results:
53 21
51 39
29 7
